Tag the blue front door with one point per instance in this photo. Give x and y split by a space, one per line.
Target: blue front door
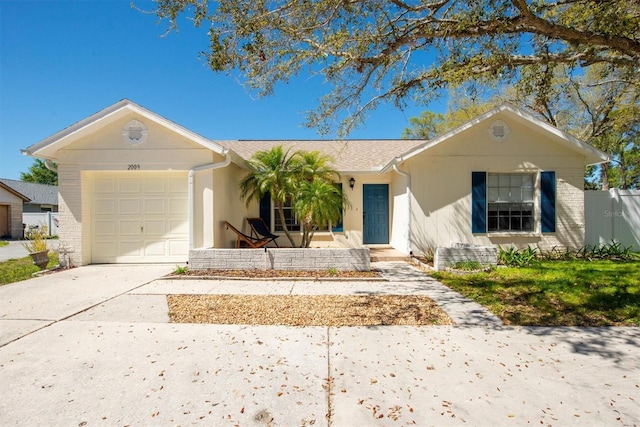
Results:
375 214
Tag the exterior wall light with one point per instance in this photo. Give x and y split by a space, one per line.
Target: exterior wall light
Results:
352 182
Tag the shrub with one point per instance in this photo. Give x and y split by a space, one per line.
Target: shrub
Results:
36 239
606 251
180 270
513 257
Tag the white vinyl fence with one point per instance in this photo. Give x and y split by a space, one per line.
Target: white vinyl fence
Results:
38 219
612 215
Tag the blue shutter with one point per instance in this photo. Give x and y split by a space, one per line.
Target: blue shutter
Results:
479 202
265 209
548 201
339 227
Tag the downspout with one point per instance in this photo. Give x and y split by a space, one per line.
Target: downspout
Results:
407 176
209 166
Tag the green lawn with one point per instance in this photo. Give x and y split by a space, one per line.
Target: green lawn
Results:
555 293
3 243
15 270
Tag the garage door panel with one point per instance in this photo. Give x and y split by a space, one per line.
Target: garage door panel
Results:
129 228
154 206
179 227
105 249
154 227
155 249
129 207
176 186
105 206
104 228
129 248
129 185
178 206
139 218
104 186
178 247
155 185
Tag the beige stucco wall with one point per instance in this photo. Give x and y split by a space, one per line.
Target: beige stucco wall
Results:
441 187
106 150
14 211
236 213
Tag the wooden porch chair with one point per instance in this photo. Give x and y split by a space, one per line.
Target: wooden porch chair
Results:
244 241
260 230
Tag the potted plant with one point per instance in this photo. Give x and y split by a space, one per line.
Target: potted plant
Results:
37 246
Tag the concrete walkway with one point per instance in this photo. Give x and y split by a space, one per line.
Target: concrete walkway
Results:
93 346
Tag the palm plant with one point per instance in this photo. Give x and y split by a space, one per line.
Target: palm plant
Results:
274 171
318 204
304 177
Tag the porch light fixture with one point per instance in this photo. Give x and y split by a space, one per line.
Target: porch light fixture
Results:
352 182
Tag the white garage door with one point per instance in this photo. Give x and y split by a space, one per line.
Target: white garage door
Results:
139 217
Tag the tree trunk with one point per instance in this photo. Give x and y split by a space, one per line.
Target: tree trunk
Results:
604 175
284 224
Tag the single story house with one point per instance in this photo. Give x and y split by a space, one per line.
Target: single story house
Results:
135 187
32 204
42 197
11 202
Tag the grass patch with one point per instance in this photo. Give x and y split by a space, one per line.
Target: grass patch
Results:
15 270
3 243
557 293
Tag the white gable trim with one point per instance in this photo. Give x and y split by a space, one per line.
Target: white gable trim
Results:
48 147
592 155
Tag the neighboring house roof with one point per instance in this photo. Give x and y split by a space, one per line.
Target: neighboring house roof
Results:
41 194
48 147
12 191
592 155
353 155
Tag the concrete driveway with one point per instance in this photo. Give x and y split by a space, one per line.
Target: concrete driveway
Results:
93 346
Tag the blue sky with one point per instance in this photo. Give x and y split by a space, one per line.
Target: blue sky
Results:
61 61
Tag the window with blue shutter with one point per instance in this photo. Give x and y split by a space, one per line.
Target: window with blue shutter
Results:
548 201
265 209
479 202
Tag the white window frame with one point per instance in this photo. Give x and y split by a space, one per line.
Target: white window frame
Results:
509 205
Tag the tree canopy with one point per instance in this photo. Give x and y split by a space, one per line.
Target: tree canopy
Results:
39 173
408 50
597 107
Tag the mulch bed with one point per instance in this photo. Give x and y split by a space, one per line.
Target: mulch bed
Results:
268 274
304 310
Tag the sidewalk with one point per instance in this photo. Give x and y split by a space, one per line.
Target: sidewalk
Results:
106 354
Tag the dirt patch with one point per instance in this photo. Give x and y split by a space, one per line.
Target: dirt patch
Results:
304 310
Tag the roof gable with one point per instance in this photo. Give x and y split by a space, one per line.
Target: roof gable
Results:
42 194
591 154
13 191
48 147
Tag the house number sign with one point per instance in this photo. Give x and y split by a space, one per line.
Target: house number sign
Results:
133 167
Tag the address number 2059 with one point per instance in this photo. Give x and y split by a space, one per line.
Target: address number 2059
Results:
133 167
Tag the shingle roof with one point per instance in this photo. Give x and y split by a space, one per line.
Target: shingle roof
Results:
38 193
353 155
